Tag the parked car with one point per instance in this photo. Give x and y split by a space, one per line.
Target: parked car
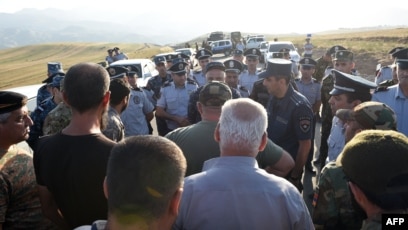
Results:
274 47
145 66
31 92
263 47
222 46
254 42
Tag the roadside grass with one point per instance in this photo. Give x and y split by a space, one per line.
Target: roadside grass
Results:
27 65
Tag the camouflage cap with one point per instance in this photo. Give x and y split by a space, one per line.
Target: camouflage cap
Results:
215 93
371 115
343 55
10 101
376 161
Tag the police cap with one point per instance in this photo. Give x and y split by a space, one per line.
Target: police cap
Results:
277 67
253 52
117 71
233 65
334 49
203 53
401 58
307 62
159 59
214 65
237 52
347 83
56 81
10 101
179 68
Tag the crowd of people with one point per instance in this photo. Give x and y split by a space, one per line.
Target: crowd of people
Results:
232 147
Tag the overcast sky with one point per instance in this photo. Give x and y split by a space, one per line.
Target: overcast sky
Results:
268 16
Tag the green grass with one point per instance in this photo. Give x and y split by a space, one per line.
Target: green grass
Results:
28 65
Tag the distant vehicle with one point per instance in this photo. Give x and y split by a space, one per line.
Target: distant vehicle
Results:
235 38
274 47
145 66
222 46
31 92
254 42
263 47
215 36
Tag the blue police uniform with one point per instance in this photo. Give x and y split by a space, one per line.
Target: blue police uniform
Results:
247 80
244 92
311 90
133 117
175 100
395 98
43 94
199 77
289 120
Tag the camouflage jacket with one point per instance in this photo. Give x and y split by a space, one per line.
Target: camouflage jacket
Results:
155 83
115 130
332 207
57 119
321 66
327 116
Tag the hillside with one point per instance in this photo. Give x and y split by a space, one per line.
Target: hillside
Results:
27 65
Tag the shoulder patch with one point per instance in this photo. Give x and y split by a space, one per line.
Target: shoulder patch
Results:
304 124
381 89
191 81
167 83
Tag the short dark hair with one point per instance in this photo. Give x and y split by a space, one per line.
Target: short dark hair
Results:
119 89
362 96
144 172
85 85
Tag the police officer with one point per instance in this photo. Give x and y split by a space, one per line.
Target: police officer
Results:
44 92
342 61
348 92
396 96
139 112
310 88
119 55
215 71
118 72
325 61
204 57
41 111
109 57
173 102
232 70
290 116
239 56
250 76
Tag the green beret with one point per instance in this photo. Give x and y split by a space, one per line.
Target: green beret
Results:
10 101
377 161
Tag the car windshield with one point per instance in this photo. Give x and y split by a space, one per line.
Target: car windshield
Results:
264 45
278 47
186 52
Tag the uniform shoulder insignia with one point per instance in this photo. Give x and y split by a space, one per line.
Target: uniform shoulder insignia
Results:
243 88
314 80
167 83
191 81
381 89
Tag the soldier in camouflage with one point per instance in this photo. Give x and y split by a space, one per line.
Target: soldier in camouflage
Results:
120 90
40 113
332 203
344 63
20 206
57 119
332 206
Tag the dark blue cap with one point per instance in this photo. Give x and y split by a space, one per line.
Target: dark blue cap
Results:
253 52
347 83
159 59
117 71
233 65
203 53
307 61
170 57
401 58
56 81
277 67
184 56
214 65
179 67
334 49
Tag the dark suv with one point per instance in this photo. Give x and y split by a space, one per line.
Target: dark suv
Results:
215 36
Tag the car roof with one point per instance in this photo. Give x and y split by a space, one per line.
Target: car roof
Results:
29 90
130 62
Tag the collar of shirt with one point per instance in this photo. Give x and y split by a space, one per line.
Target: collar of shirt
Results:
230 161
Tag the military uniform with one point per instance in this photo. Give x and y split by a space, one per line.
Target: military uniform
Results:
332 207
57 119
321 66
260 93
115 130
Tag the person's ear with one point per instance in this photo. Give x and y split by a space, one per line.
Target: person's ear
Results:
105 188
217 133
65 98
264 141
200 107
175 202
106 97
